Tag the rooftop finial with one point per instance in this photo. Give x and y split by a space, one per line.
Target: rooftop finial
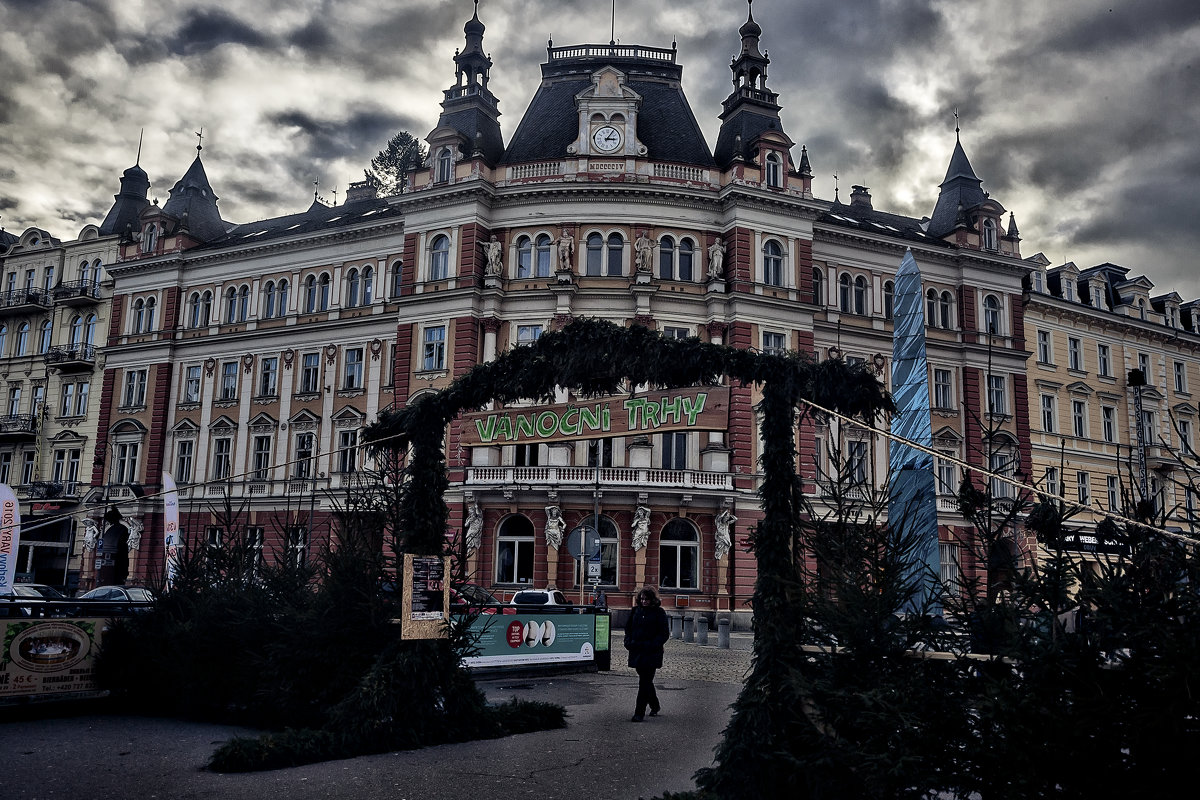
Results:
200 142
835 188
956 126
316 186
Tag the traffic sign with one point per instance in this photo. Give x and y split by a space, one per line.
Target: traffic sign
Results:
580 535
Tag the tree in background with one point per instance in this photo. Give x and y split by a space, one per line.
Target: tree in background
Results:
389 169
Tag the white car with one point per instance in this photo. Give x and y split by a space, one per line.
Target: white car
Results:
551 600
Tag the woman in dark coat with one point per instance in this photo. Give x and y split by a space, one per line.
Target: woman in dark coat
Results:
645 634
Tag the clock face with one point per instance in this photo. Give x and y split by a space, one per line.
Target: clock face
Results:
606 139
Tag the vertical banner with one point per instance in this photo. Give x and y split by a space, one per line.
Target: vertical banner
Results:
10 537
171 541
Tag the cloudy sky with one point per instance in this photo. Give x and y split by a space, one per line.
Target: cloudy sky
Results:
1081 116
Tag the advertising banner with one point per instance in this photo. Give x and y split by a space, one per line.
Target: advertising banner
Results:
526 639
10 537
48 656
171 543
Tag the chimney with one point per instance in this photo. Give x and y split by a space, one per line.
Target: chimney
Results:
361 190
860 197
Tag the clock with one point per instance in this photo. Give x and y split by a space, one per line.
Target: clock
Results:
606 139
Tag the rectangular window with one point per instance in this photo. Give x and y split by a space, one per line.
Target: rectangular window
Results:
949 572
310 373
947 473
1144 365
1074 353
353 377
5 467
670 332
347 454
526 455
229 380
297 545
600 453
1180 377
528 334
1049 413
674 450
1079 418
1053 487
1083 487
14 400
191 384
514 559
39 399
184 452
856 461
1149 429
1104 360
262 458
997 397
1114 493
254 549
125 466
27 465
435 348
302 467
222 458
1108 421
773 343
943 395
268 377
1043 345
82 390
1185 436
66 405
135 388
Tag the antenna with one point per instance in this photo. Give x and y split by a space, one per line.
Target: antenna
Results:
141 133
612 40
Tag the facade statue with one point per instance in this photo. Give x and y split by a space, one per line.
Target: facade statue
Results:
716 259
643 249
555 526
474 526
91 534
566 251
641 528
495 256
725 522
135 528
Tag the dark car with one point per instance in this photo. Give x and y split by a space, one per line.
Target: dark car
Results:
468 598
39 590
127 594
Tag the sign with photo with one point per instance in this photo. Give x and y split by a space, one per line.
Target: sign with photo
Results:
524 639
51 657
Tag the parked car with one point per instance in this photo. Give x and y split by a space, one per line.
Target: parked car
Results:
120 594
468 598
37 590
551 600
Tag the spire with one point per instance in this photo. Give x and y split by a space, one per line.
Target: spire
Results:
192 198
804 169
1013 233
469 107
751 109
961 191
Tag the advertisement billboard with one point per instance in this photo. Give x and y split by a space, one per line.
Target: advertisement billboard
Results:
538 638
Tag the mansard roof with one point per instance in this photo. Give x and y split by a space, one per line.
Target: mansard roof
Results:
880 223
666 124
318 218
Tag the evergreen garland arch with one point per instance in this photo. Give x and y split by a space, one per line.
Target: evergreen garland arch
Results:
594 357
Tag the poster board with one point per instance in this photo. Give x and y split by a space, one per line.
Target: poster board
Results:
425 600
49 657
529 639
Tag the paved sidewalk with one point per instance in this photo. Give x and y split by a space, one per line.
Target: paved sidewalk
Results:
601 755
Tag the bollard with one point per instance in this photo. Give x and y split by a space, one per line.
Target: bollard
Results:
723 633
687 630
676 626
702 629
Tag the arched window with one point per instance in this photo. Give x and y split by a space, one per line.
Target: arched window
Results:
150 238
772 263
524 257
594 263
818 286
48 278
193 319
616 251
608 549
845 293
679 555
352 288
97 275
148 322
666 258
3 338
89 330
231 304
931 307
75 331
368 285
243 307
990 239
85 272
945 303
514 550
139 315
860 295
310 294
439 258
268 309
323 292
281 302
445 165
774 171
1141 304
206 300
397 279
22 342
889 300
686 251
44 337
543 256
991 315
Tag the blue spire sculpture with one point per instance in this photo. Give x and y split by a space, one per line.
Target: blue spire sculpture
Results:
912 498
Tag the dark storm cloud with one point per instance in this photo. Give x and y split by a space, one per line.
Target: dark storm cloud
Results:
208 29
1123 24
313 37
364 132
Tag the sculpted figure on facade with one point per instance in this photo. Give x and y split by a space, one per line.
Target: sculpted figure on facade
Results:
495 256
716 259
566 250
91 534
641 528
643 248
725 522
555 526
474 526
135 527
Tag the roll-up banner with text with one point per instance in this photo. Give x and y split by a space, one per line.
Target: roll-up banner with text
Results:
10 537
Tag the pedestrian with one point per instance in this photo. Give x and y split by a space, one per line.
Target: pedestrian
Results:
646 632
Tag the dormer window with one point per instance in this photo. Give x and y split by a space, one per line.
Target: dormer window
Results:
1069 289
991 240
1141 306
774 171
150 238
1039 284
445 165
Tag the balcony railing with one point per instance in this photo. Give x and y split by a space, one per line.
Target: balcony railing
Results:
72 355
609 477
18 423
22 298
77 293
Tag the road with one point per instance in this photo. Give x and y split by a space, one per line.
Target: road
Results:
601 755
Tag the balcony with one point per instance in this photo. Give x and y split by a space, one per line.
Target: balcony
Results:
73 358
77 293
610 477
51 490
23 301
18 426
